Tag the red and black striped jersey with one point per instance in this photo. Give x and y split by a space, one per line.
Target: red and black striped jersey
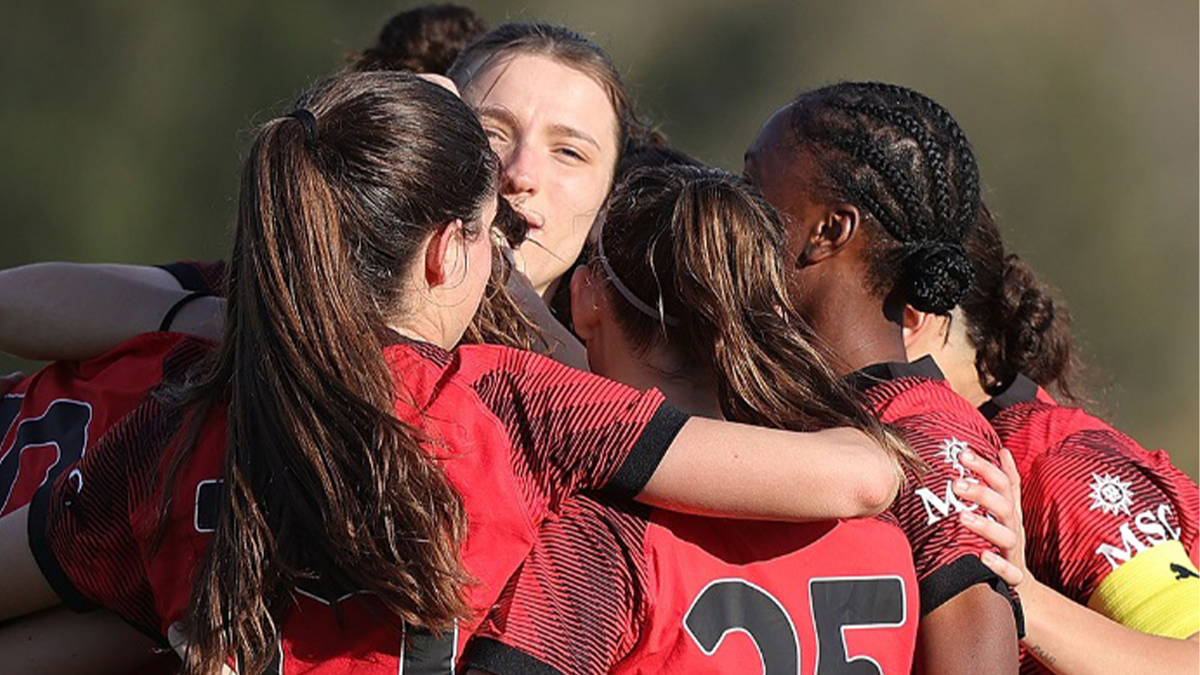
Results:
199 276
1092 498
48 421
623 589
517 434
915 400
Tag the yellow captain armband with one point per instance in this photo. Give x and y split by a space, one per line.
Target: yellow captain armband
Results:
1157 591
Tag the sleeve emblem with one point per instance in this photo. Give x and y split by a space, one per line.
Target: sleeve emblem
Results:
951 450
1110 494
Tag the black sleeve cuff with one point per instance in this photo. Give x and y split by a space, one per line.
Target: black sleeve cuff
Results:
39 545
189 278
496 657
950 580
647 452
169 317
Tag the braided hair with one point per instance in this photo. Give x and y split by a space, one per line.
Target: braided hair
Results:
901 158
1014 320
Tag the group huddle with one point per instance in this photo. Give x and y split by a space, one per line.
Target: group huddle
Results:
495 380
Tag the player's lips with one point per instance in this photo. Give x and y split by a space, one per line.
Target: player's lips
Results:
533 221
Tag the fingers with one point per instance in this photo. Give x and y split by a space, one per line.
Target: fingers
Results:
1009 466
990 473
1011 574
992 501
996 533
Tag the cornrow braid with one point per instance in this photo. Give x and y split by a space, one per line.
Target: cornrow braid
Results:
939 179
882 164
903 159
964 153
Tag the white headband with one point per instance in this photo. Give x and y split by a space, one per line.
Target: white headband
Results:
624 290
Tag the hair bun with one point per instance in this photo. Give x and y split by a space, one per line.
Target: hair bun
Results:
938 276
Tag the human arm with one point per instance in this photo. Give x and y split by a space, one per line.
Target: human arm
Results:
69 311
973 632
57 641
736 470
23 587
1067 637
576 432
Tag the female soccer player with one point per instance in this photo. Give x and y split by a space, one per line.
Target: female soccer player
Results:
338 485
556 113
880 187
686 292
1111 528
558 116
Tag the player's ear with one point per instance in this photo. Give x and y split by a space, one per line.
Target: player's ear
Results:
924 333
838 226
440 257
585 302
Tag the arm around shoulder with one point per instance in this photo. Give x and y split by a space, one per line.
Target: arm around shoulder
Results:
70 311
738 470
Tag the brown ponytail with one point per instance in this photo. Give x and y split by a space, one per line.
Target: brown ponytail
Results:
1013 319
322 482
701 252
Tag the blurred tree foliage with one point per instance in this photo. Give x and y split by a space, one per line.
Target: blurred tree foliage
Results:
122 124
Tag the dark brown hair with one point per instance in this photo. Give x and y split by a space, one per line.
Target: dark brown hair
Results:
903 160
701 252
639 155
569 48
1014 320
424 39
322 482
500 319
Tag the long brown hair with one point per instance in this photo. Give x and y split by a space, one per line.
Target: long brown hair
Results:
322 482
1014 320
694 261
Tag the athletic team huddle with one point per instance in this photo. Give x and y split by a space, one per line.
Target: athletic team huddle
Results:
495 380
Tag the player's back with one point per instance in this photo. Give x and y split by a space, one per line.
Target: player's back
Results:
1074 462
1108 523
630 590
495 417
939 425
48 421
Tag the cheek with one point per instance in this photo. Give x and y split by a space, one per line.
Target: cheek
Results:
580 199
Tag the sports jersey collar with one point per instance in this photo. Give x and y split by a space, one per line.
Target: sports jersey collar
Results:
1020 390
864 378
428 350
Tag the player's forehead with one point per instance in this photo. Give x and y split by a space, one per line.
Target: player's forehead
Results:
540 94
772 148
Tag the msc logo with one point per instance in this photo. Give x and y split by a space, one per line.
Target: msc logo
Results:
1110 494
951 452
1153 526
937 508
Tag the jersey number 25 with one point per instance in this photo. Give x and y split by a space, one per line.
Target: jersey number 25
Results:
836 603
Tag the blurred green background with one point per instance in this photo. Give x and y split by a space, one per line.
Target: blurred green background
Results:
122 124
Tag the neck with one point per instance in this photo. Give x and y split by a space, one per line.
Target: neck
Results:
692 389
546 292
957 361
860 331
692 393
422 328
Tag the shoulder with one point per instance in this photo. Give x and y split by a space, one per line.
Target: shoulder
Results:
939 423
